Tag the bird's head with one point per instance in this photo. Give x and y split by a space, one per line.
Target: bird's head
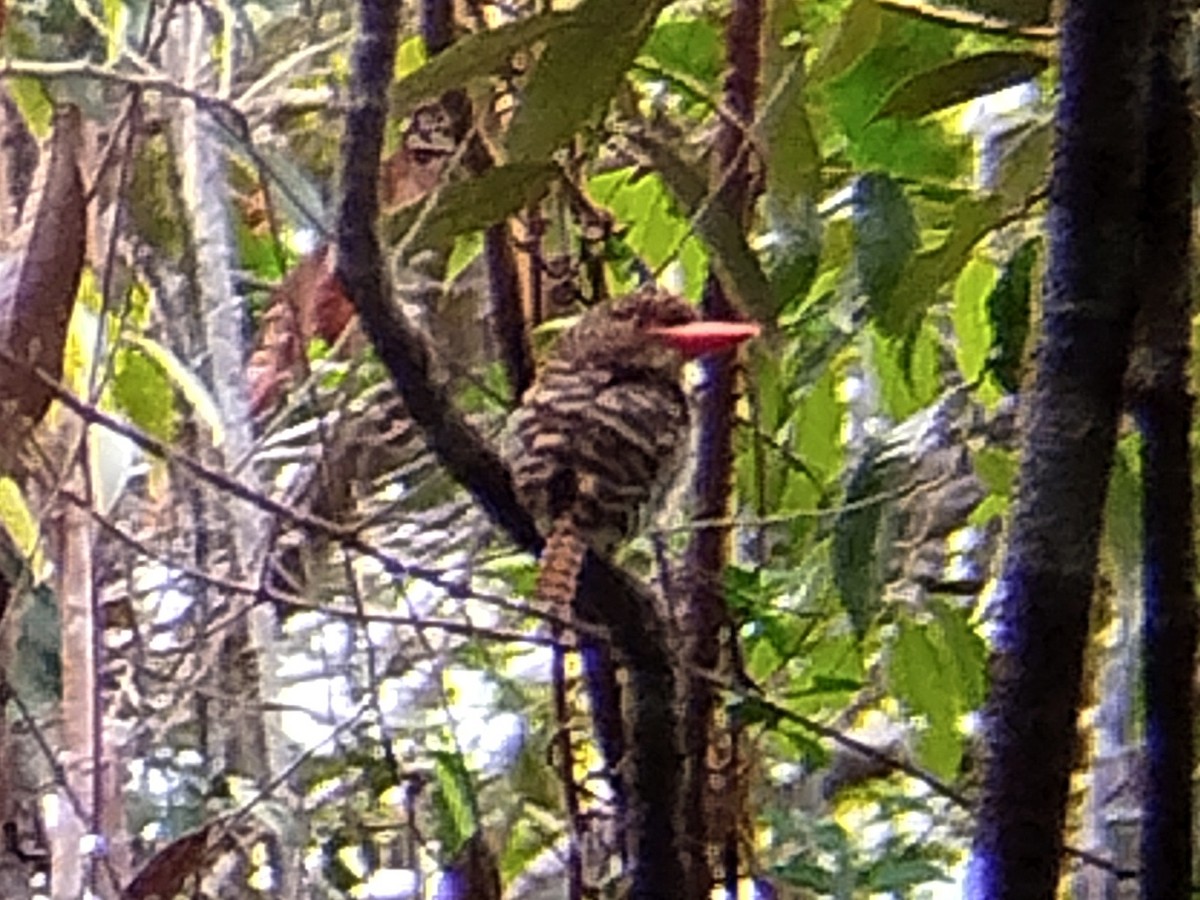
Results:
652 329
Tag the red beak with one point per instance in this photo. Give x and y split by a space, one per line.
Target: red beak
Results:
701 338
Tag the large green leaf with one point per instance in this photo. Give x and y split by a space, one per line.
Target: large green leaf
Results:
905 148
476 55
578 73
183 379
959 81
907 370
140 388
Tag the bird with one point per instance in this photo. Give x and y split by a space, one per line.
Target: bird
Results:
603 431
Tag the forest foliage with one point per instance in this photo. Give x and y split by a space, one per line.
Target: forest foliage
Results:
307 659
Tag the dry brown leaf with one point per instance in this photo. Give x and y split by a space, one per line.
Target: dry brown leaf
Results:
40 273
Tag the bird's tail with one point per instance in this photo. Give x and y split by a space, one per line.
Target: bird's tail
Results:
561 563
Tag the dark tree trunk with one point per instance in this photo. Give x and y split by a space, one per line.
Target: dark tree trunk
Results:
1074 407
1157 392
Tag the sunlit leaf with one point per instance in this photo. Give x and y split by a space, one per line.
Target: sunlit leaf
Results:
34 102
654 226
959 81
967 653
997 469
22 526
908 371
189 385
578 73
972 335
902 147
141 389
454 801
411 55
819 417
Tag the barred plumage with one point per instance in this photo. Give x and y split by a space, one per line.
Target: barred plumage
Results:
601 432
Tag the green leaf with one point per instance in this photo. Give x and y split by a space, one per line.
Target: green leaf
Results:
189 385
1009 306
918 149
473 205
1024 162
717 226
898 876
689 47
411 55
858 33
919 284
819 418
802 873
937 669
857 560
885 238
22 526
141 390
476 55
968 654
1123 511
34 102
972 337
453 802
793 153
793 182
997 469
915 672
642 204
578 73
959 81
907 370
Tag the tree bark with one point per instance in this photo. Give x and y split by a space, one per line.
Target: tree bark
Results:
1074 405
1157 389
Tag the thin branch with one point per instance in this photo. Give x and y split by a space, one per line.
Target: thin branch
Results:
961 18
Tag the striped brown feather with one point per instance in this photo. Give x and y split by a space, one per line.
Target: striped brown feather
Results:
602 431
